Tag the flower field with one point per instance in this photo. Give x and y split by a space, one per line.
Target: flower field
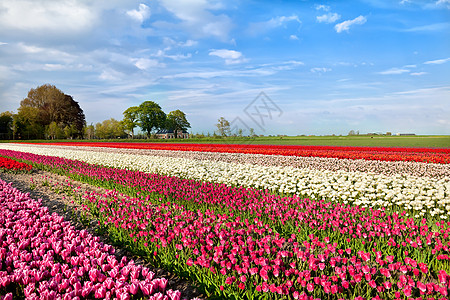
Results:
435 155
242 223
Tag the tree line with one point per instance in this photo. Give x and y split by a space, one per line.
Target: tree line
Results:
148 116
48 113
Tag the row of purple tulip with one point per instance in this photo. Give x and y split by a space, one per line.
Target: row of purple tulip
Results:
44 257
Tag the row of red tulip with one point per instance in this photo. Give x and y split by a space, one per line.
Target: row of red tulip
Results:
44 257
430 155
399 245
12 165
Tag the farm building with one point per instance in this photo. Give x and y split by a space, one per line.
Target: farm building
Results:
169 134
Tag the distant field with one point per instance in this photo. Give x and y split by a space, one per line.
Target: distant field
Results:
434 141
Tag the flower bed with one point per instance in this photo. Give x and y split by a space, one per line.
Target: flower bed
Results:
421 196
247 257
10 165
44 257
430 155
387 168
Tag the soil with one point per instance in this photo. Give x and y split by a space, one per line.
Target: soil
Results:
57 203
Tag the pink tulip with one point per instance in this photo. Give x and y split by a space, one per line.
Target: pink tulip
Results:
134 288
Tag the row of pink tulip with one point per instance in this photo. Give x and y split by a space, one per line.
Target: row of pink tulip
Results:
290 213
249 256
218 238
44 257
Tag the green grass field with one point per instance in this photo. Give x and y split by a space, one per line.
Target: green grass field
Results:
433 141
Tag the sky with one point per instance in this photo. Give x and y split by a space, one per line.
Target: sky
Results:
277 67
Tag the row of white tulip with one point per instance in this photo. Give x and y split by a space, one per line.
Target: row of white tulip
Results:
321 163
421 195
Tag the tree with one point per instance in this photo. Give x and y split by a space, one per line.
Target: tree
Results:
74 117
223 127
26 123
176 120
46 104
109 129
54 131
151 117
69 131
89 131
6 124
131 119
351 132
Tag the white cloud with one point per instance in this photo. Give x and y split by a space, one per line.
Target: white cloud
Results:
443 3
196 17
227 54
430 27
189 43
345 26
320 70
288 65
418 73
405 1
394 71
279 21
53 67
219 73
111 75
141 14
46 16
176 57
437 61
293 37
230 56
44 53
146 63
170 44
259 27
285 65
1 43
323 7
328 18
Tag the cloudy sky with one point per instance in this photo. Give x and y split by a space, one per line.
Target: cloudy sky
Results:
280 67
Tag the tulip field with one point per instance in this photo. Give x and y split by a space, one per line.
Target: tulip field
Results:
238 221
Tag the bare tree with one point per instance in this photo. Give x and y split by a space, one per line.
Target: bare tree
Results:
223 127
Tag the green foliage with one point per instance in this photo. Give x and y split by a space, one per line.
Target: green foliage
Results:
54 131
27 125
151 117
89 132
47 104
176 120
131 119
109 129
6 124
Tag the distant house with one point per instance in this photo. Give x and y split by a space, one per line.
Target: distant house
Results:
405 134
169 134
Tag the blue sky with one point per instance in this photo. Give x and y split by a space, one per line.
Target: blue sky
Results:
280 67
